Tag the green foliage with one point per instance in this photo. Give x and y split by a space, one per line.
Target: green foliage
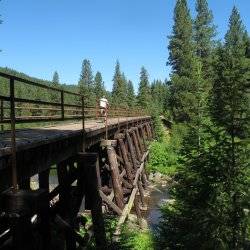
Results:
144 93
99 88
164 153
229 100
86 83
55 79
131 100
110 226
119 90
201 216
180 45
23 90
211 191
157 124
136 240
160 94
162 159
183 101
204 32
54 95
191 60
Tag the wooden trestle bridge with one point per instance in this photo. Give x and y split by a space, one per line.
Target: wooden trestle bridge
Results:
99 164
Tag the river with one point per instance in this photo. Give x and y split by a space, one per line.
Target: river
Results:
158 196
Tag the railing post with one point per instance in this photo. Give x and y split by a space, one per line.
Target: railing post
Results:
83 124
62 104
1 114
96 109
106 123
127 118
13 133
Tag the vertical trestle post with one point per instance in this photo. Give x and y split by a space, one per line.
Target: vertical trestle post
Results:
118 192
88 164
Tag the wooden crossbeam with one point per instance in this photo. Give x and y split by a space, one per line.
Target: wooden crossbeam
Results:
110 203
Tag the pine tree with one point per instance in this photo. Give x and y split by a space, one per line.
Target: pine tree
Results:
247 42
230 112
180 45
131 99
85 83
204 32
144 93
55 80
0 23
182 59
99 88
55 95
229 89
119 88
160 92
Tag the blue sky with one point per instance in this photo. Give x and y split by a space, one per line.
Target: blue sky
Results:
39 37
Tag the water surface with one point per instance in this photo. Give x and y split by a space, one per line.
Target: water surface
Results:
158 196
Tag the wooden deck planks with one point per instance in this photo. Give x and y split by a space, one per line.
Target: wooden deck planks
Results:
33 137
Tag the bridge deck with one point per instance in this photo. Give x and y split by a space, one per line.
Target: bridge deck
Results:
33 137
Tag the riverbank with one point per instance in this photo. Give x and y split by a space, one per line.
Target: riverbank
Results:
136 238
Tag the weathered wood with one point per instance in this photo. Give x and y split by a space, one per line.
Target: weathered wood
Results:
126 211
144 178
143 137
112 195
126 183
106 190
25 184
138 210
105 143
144 157
133 198
57 150
98 175
123 173
88 164
137 175
141 192
131 150
127 165
119 159
110 203
148 131
43 214
38 148
43 179
23 204
71 177
137 149
119 136
152 129
115 176
139 140
65 201
69 231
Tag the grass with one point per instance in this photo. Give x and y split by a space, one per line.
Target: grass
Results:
135 239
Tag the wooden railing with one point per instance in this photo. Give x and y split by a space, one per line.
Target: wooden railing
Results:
15 109
67 105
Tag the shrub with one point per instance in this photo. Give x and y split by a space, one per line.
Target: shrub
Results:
164 153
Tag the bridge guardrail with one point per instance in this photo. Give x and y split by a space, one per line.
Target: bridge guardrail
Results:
17 109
